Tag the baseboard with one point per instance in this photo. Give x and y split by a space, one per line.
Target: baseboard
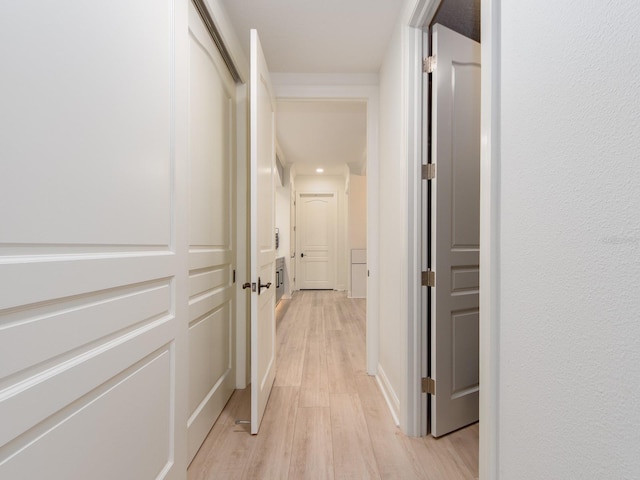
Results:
389 394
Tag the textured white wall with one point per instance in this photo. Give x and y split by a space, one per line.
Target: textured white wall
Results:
569 395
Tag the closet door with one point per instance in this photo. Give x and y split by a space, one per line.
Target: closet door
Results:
90 338
211 233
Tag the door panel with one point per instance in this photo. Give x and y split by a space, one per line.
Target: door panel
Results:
91 333
211 233
316 224
263 251
455 231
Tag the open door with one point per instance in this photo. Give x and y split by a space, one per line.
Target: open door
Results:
455 231
263 250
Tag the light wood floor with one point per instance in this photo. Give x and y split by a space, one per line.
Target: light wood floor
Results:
326 417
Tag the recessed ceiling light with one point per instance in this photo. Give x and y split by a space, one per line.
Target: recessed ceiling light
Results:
319 170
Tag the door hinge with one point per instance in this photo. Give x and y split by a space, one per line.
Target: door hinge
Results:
429 64
429 171
429 278
429 386
234 275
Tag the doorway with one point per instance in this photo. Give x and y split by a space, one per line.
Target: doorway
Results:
347 88
452 190
316 226
456 170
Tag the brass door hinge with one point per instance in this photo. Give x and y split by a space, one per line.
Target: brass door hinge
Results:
429 278
429 171
429 386
429 64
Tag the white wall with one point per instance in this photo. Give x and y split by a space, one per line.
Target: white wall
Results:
283 222
330 183
567 278
393 226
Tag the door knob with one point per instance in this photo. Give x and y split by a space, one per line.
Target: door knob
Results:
252 286
261 286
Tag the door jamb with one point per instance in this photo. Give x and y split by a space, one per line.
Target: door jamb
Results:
490 239
413 412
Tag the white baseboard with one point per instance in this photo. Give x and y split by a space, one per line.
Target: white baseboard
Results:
389 394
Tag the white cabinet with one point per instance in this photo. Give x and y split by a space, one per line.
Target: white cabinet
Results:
358 273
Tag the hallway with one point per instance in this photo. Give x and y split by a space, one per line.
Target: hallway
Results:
326 417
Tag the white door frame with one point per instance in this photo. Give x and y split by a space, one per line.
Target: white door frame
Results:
345 88
418 17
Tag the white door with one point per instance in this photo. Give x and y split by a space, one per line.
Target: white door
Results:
293 242
92 259
455 231
263 248
316 233
211 233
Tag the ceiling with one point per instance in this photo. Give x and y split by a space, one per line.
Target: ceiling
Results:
323 134
319 37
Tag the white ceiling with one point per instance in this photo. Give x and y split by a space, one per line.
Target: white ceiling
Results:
319 37
322 134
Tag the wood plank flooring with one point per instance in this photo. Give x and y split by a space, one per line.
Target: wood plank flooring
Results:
326 418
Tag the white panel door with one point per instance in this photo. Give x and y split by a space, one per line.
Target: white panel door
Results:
92 343
211 233
316 228
263 248
455 231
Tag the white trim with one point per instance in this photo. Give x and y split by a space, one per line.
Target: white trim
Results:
411 408
333 79
414 411
489 240
423 13
369 94
389 394
180 147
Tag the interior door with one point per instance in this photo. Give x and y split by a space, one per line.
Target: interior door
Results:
211 233
92 260
263 251
293 242
316 224
455 238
